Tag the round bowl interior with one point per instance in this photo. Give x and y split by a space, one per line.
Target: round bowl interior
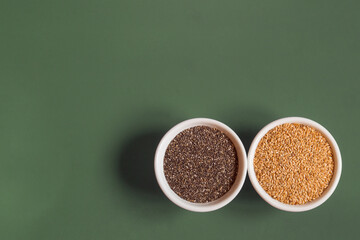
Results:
333 183
159 168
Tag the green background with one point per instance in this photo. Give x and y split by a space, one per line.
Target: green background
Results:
89 87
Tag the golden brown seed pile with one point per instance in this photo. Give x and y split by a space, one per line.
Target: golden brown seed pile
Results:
200 164
294 163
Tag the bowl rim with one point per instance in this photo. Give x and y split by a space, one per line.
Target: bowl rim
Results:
159 162
333 183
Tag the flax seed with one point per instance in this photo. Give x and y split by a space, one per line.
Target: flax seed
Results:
294 163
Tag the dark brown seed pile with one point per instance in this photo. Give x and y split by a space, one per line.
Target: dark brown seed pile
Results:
200 164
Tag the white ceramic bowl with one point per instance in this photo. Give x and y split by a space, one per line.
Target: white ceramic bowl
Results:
159 165
334 181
